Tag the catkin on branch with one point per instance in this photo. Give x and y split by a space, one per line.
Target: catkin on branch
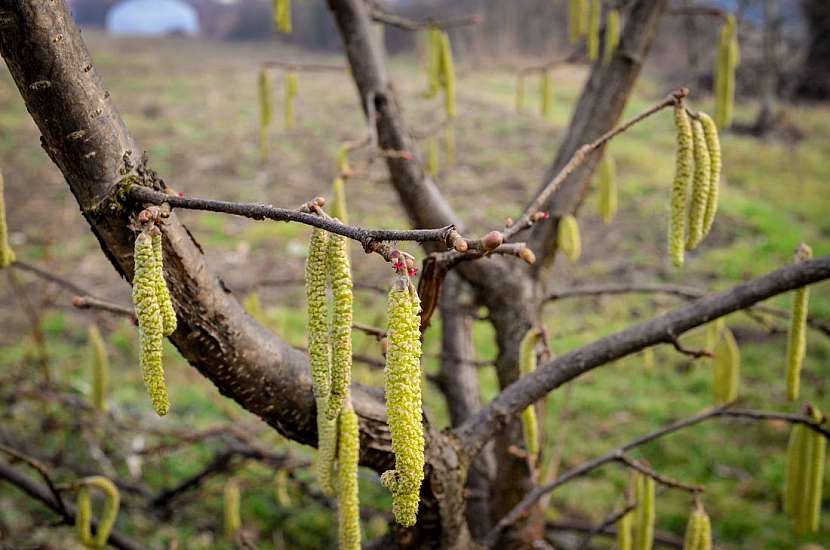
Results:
447 74
577 19
230 501
265 111
347 489
83 518
168 314
644 513
710 132
593 29
607 188
281 488
612 34
700 187
568 237
725 75
680 185
289 92
527 364
797 336
6 252
282 15
403 401
625 534
100 367
726 366
698 531
340 279
338 204
150 324
814 476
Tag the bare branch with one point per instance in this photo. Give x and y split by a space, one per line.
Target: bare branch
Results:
657 476
51 277
572 57
693 353
379 15
613 518
88 302
297 66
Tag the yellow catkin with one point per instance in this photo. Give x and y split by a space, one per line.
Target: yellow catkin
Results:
100 367
230 503
343 168
726 366
795 470
403 402
265 111
797 335
289 93
520 93
625 536
593 29
644 513
347 489
710 132
569 240
612 34
282 15
680 185
338 204
527 364
168 314
713 331
698 531
577 19
700 187
447 75
546 94
6 252
814 476
150 325
281 488
449 144
340 279
317 326
83 517
83 514
607 188
433 61
432 157
725 75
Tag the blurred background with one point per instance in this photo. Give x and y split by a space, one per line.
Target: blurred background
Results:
183 73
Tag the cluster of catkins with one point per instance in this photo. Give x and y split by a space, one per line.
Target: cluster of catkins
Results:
694 196
154 311
698 530
805 473
330 357
83 512
440 68
636 528
527 364
266 109
584 17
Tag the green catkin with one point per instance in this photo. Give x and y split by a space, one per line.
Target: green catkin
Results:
230 501
6 253
433 61
680 185
281 488
343 168
569 240
713 331
347 489
320 353
265 112
612 34
150 324
338 204
449 144
624 532
797 335
527 364
447 74
698 531
520 93
644 513
795 470
289 92
403 401
282 15
710 132
726 366
577 20
607 188
700 187
83 517
725 75
546 94
100 367
593 29
432 157
340 279
814 476
168 314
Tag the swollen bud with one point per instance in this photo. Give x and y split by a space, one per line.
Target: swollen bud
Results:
492 240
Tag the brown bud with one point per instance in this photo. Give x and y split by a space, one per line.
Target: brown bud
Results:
492 240
79 302
320 201
527 255
508 222
461 245
538 216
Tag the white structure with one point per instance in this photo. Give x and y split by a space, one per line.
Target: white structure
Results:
152 18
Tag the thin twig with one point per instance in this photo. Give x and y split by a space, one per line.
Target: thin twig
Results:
51 277
380 15
304 67
612 518
88 302
40 468
657 476
547 65
693 353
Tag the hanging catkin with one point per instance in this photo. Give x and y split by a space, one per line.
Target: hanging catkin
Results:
625 535
433 61
343 168
612 34
593 29
282 15
432 157
230 502
797 336
607 188
710 132
338 204
520 93
644 513
265 111
403 401
347 490
281 488
100 367
725 75
577 20
698 531
726 367
83 516
569 241
319 353
150 324
289 92
527 364
805 474
546 94
700 187
814 476
680 185
6 252
340 279
168 314
447 74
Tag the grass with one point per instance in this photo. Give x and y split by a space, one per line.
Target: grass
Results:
198 123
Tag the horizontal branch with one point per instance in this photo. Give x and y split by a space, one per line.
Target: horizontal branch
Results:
572 57
88 302
576 526
663 329
638 466
304 67
380 15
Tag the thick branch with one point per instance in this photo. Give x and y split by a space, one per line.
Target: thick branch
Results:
663 329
